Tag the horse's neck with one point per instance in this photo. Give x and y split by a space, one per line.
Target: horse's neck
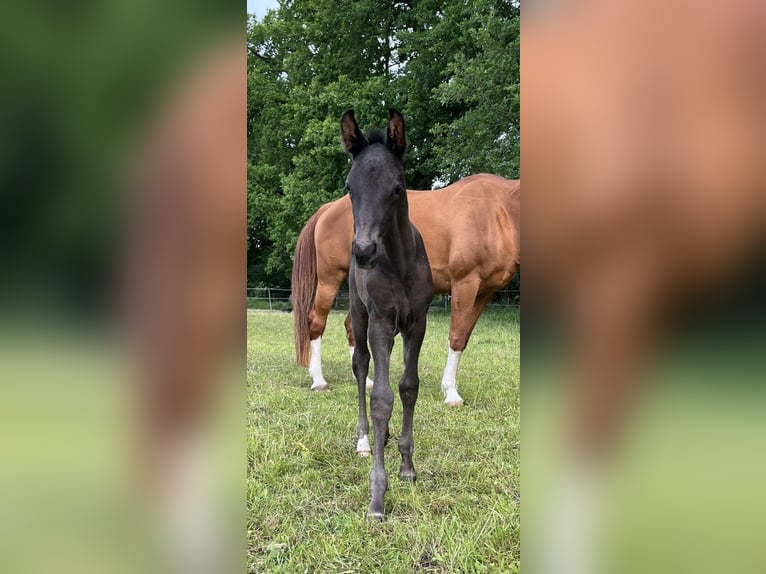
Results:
400 242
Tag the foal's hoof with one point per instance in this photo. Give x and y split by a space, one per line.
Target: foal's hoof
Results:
455 403
320 387
375 516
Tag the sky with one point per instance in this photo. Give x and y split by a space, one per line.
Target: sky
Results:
259 7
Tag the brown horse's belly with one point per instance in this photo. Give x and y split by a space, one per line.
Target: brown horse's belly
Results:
441 280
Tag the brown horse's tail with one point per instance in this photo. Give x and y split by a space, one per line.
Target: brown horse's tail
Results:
514 209
304 282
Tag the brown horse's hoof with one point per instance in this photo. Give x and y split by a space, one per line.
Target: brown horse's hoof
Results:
410 477
376 516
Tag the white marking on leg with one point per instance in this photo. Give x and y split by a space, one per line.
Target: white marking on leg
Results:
315 366
449 380
189 510
574 523
363 446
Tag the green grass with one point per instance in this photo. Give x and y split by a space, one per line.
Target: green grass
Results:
308 490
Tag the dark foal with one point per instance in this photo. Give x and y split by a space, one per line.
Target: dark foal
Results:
390 289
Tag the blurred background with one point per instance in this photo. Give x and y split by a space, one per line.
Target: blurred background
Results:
102 172
643 403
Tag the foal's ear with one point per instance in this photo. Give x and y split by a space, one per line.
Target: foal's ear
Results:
350 135
396 138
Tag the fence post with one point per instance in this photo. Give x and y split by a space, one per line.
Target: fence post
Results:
268 292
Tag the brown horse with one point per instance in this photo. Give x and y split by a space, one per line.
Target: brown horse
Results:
655 203
471 234
184 309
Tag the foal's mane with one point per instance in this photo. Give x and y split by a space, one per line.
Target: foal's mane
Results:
376 136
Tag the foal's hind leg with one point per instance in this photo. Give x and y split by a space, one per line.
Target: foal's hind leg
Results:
351 345
409 385
360 364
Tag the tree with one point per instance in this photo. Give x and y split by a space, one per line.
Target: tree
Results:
451 67
485 83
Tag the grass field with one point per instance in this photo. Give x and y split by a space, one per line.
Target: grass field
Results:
308 490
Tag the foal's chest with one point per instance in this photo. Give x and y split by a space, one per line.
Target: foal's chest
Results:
385 296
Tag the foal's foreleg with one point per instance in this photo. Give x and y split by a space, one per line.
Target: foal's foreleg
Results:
409 385
381 405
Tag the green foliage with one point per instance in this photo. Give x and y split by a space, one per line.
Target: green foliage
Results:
451 68
81 86
486 84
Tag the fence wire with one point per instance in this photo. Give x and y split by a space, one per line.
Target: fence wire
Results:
278 299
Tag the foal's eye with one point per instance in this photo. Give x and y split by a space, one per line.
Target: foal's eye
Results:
398 190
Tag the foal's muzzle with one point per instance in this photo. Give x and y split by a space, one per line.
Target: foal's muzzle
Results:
365 255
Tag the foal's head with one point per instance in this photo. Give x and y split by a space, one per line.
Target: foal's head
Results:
375 183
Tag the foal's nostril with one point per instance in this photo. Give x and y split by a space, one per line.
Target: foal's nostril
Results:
364 254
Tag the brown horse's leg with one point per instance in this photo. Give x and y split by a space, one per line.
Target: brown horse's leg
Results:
184 308
325 295
611 341
465 310
349 332
613 326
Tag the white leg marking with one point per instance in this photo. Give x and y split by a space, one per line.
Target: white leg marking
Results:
315 366
363 446
574 523
190 511
449 382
